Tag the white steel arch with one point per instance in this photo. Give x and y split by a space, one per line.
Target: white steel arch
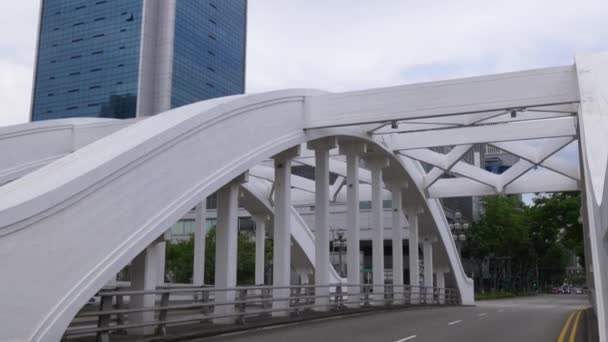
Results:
178 158
103 238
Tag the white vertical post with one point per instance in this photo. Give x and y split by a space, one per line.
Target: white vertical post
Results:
353 262
198 272
226 249
144 277
376 165
397 232
412 216
427 254
260 247
322 262
281 268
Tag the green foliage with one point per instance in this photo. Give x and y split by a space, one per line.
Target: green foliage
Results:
527 247
180 255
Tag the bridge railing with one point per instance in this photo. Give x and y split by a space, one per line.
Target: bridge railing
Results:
198 304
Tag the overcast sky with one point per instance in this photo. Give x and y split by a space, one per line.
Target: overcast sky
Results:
352 44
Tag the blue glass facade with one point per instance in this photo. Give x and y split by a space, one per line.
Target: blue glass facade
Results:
89 55
209 50
88 59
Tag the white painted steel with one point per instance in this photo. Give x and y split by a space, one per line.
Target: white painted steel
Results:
84 201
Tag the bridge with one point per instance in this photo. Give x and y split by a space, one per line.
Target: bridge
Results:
83 198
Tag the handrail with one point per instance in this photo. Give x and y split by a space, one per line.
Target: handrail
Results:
112 317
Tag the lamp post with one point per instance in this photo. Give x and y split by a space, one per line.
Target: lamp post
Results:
459 228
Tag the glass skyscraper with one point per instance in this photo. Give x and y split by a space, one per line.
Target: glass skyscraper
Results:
128 58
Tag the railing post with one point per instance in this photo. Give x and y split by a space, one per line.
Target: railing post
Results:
161 329
338 297
311 292
120 318
366 297
103 321
266 296
206 309
241 307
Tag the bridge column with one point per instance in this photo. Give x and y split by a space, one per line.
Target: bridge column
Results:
321 148
353 150
226 247
144 277
396 187
376 163
260 240
412 217
281 269
427 254
200 219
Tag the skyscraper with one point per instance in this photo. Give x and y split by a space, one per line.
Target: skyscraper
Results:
128 58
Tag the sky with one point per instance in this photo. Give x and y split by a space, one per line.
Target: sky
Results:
340 45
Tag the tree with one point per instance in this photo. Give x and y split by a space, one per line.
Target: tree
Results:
180 256
526 247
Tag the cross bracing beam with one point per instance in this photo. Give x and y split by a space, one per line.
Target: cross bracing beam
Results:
527 89
528 183
523 130
500 116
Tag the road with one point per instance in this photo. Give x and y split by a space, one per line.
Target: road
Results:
537 319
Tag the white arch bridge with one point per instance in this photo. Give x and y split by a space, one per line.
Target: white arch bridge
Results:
82 198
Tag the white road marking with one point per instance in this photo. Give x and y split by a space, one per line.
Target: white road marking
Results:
455 322
501 310
482 314
407 338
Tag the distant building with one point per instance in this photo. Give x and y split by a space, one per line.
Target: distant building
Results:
128 58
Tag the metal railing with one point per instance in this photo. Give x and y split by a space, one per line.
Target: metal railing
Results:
189 304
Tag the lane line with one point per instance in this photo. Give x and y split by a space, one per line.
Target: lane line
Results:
575 326
455 322
407 338
501 310
482 314
562 335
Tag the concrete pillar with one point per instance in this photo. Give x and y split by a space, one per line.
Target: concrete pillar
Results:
396 188
322 262
376 164
260 240
353 150
412 216
440 276
144 277
200 232
281 269
427 255
226 247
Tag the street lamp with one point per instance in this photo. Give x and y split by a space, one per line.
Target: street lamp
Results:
459 228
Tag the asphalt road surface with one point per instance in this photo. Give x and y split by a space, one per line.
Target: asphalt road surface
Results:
540 318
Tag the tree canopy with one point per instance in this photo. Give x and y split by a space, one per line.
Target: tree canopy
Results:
180 259
518 248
